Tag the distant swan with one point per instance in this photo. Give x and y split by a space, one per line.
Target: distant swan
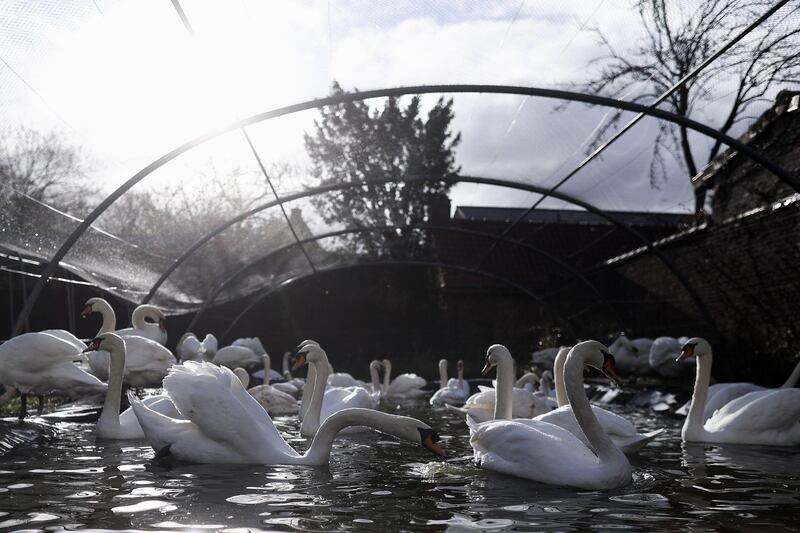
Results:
156 331
452 391
404 386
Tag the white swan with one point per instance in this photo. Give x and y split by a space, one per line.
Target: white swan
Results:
662 358
721 393
520 402
235 356
190 348
622 432
156 331
545 452
453 391
404 386
274 400
112 424
544 358
266 370
632 356
39 364
325 401
770 417
254 343
227 425
146 361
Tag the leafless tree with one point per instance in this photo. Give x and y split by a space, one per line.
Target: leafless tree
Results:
44 168
675 43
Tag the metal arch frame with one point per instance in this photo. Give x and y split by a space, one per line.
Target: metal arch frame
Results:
432 227
330 188
429 264
781 173
453 180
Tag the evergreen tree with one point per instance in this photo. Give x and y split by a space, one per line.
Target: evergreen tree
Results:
355 143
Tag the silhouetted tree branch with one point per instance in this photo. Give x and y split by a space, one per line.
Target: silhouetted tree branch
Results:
675 43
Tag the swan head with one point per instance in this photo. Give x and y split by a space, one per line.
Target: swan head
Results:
88 307
596 355
106 341
414 430
311 352
695 346
495 354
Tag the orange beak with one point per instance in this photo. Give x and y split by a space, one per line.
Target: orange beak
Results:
162 325
300 361
432 446
87 310
487 368
686 352
608 370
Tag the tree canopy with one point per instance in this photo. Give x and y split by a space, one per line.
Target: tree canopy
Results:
356 143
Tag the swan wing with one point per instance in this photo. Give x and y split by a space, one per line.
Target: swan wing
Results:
723 393
543 452
760 412
214 399
67 378
68 337
35 351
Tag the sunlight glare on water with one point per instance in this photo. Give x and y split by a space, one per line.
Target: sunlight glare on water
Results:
375 482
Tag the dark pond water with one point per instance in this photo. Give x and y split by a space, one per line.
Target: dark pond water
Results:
376 483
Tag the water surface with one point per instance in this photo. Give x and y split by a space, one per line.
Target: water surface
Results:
376 482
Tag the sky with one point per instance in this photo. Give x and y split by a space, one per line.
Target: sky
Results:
126 82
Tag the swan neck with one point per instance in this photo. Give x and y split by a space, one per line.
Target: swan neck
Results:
373 376
387 374
285 366
443 373
267 367
311 421
576 396
558 377
503 405
308 390
137 318
793 377
108 314
696 419
116 370
320 450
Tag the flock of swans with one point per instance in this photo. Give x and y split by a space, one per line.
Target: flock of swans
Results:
207 413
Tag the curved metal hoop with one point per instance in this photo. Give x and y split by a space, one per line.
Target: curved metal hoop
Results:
451 229
466 179
379 93
429 264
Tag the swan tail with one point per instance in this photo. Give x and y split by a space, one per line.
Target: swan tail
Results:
635 443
